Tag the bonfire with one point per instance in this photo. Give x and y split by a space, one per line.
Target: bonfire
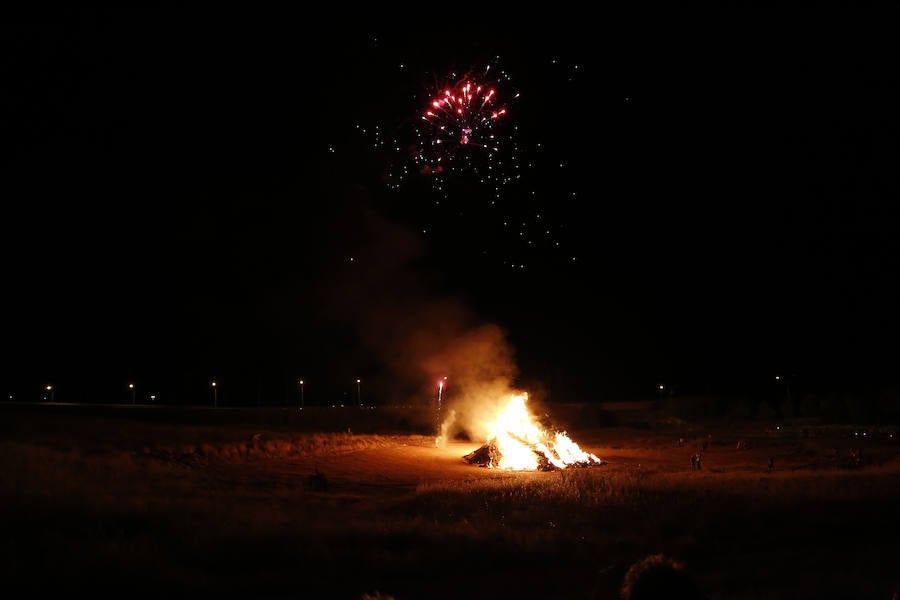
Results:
517 442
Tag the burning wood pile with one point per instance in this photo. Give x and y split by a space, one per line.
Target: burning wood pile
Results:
516 442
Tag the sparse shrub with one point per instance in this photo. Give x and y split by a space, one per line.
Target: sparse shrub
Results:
209 450
231 452
166 451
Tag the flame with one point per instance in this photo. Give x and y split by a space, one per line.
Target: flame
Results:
521 441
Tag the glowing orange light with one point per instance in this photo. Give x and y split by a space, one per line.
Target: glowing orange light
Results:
523 444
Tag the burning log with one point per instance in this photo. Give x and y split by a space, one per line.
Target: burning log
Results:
489 456
519 444
486 456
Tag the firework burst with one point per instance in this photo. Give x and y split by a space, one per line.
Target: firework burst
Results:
461 140
464 130
465 116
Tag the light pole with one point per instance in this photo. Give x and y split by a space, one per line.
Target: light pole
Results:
49 388
301 394
131 387
358 395
787 401
661 388
215 394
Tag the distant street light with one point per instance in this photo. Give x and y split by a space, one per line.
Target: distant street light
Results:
358 394
787 402
152 397
49 388
300 383
215 394
131 387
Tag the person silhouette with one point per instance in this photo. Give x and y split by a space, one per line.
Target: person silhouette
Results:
657 576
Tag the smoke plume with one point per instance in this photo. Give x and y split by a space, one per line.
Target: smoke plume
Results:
412 326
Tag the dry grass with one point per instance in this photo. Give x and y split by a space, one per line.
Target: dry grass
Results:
264 447
220 511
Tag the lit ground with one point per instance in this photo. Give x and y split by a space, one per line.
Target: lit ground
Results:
143 503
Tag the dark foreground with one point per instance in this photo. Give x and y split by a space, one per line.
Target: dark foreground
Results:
139 503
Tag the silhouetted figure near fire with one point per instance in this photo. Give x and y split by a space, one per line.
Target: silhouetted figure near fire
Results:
771 464
693 462
656 577
699 462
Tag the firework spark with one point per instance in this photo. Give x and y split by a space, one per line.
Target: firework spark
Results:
460 138
464 132
465 115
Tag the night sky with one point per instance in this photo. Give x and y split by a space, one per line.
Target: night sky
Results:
189 196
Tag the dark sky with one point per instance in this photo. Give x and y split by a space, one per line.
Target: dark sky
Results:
183 192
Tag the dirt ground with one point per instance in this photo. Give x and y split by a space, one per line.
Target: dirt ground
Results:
130 502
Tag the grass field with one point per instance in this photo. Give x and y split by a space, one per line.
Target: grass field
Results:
143 503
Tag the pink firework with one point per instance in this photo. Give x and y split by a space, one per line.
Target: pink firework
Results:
465 115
